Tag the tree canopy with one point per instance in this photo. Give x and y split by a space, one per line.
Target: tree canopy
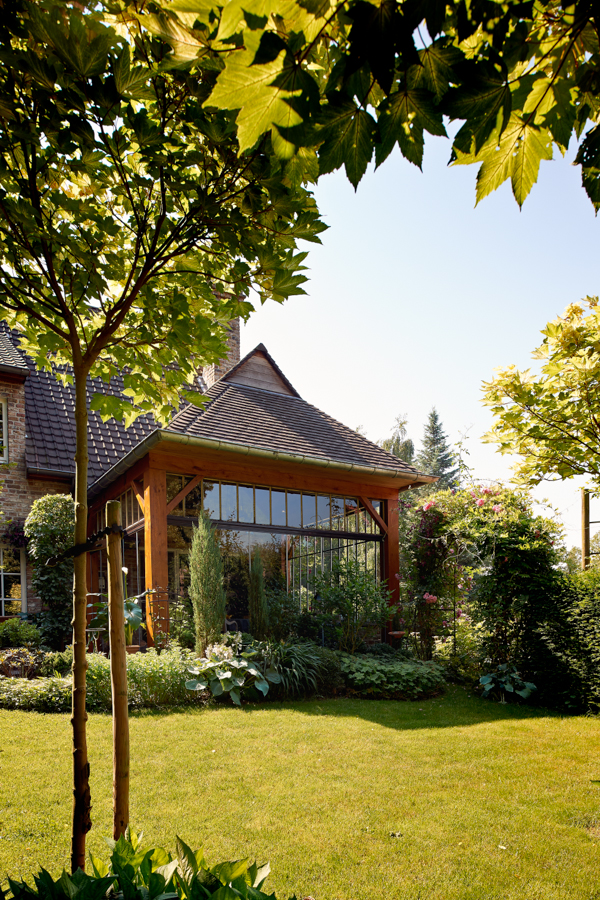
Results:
399 444
549 418
341 82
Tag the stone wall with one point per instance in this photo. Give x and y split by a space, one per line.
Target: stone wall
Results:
19 491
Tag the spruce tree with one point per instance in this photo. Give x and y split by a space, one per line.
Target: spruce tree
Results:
436 457
399 444
257 599
207 592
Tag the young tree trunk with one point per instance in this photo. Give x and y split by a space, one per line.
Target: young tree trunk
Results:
118 674
81 769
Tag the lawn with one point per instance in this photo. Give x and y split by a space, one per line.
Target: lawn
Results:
484 801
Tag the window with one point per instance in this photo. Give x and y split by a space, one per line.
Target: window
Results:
13 593
4 430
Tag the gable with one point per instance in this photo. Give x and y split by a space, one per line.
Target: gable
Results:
257 371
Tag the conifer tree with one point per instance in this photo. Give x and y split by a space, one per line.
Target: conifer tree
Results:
257 599
207 592
436 457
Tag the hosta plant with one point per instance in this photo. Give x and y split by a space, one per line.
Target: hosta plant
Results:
232 676
137 873
505 680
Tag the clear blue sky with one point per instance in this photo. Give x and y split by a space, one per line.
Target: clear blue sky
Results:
415 296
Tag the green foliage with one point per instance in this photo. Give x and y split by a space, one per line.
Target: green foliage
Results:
283 609
206 589
26 661
49 528
337 86
258 609
366 676
226 674
461 652
134 872
59 663
505 680
181 622
435 456
297 664
19 633
154 680
350 594
399 444
549 419
132 613
330 681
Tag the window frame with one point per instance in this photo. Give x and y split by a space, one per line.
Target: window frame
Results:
4 406
23 572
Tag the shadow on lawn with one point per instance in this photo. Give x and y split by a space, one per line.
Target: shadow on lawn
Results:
455 708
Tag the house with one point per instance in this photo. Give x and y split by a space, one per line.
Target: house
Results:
271 471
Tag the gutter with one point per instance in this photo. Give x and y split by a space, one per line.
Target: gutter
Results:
244 449
21 371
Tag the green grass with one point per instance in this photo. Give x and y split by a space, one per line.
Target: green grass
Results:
317 788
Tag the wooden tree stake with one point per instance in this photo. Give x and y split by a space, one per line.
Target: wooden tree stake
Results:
118 674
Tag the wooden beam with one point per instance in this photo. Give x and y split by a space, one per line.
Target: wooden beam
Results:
137 490
391 553
183 493
374 514
155 554
585 529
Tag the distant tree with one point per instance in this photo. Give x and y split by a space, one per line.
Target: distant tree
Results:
436 457
399 444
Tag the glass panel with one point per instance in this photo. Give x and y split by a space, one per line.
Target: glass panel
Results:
129 507
323 517
193 501
12 607
278 508
211 499
11 562
263 506
174 485
309 511
337 514
294 512
137 512
229 502
179 537
12 587
351 523
246 504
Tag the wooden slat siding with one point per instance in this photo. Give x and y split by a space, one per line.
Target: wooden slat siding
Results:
139 493
183 493
375 515
258 372
155 551
227 466
391 552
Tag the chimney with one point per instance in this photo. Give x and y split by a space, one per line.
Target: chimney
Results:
215 371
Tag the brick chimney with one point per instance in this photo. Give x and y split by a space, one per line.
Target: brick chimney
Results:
215 371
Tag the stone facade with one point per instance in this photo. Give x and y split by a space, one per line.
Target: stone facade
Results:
19 491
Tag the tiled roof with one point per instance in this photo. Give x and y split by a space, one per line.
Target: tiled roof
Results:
238 414
11 359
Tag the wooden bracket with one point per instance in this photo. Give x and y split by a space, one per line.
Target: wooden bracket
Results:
183 493
374 514
139 494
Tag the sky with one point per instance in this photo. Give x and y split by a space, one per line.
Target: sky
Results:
415 297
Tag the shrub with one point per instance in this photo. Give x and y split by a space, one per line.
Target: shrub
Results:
154 680
206 584
138 873
505 681
400 680
462 662
229 672
49 528
329 674
18 633
283 609
297 665
257 599
351 595
23 659
58 663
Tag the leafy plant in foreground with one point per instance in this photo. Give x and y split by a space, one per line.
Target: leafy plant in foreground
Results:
233 675
398 679
505 680
137 873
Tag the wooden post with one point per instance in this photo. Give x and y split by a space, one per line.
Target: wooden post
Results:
118 673
155 553
391 553
585 529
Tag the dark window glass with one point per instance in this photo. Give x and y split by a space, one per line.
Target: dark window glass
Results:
351 509
337 514
378 507
174 485
193 501
294 511
211 499
229 502
263 506
323 508
309 511
278 508
246 504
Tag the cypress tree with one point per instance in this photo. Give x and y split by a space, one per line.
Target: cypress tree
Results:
436 457
207 592
257 599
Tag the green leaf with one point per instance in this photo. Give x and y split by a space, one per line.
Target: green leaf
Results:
402 119
348 138
435 71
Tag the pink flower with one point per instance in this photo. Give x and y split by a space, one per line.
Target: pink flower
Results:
480 502
458 613
428 505
487 491
497 508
